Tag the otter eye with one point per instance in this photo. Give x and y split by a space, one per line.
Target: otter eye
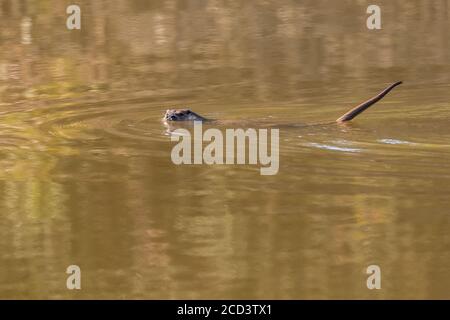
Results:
188 111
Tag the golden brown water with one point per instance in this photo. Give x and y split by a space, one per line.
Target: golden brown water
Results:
86 176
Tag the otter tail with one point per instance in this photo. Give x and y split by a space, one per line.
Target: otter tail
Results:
363 106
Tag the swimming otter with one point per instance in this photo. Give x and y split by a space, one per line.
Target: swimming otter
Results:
182 115
188 115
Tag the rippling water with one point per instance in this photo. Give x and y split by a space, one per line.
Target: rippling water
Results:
86 176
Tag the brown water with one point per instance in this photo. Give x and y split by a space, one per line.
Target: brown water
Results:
86 176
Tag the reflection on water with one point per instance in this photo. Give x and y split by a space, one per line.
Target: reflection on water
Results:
86 176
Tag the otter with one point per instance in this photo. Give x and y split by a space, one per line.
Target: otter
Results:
188 115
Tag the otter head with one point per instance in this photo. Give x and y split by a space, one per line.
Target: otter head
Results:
182 115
